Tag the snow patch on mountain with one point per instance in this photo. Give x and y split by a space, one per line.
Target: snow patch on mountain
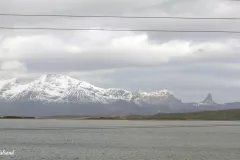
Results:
56 88
157 97
60 88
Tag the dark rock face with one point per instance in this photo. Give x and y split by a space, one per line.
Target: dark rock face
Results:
209 100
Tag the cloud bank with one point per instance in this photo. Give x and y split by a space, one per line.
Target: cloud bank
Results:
189 64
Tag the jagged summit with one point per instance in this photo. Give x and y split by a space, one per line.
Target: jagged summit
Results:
208 100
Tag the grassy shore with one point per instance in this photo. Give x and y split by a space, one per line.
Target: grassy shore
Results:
16 117
231 115
205 115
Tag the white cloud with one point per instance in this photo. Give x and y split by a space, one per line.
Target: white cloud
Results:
211 59
129 50
34 47
13 66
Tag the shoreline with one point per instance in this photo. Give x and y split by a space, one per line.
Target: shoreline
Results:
222 115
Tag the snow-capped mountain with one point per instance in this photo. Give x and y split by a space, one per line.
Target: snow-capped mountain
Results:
60 88
7 84
55 94
55 88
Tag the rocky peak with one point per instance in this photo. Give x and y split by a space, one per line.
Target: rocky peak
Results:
208 100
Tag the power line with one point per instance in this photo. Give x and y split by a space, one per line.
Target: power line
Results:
122 17
120 30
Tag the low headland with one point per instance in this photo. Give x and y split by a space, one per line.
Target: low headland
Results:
221 115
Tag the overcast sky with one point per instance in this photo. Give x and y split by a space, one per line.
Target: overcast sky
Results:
188 64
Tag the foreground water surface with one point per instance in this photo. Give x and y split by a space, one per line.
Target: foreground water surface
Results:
126 140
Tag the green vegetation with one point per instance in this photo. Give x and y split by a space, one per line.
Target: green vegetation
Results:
205 115
16 117
107 118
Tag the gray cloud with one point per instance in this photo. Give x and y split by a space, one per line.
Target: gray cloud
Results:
189 64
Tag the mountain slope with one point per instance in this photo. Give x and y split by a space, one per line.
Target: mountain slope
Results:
157 97
208 100
54 88
55 94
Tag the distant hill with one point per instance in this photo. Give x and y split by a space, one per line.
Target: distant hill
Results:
204 115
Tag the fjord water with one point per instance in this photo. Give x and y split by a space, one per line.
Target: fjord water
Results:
128 140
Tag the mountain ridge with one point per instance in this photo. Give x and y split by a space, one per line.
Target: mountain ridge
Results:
55 94
61 88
